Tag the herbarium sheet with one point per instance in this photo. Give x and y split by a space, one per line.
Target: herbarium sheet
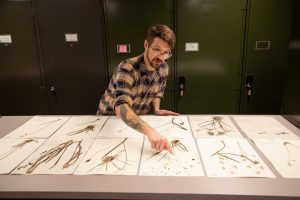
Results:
14 150
38 127
112 156
266 127
184 161
231 158
116 128
210 126
80 127
171 126
56 157
284 154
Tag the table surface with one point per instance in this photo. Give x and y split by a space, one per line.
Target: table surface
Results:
144 187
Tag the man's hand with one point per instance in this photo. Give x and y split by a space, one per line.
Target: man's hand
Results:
165 112
158 141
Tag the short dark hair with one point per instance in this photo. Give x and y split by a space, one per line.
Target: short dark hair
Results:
163 32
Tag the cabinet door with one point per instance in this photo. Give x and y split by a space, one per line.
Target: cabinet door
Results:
73 47
21 84
209 52
266 55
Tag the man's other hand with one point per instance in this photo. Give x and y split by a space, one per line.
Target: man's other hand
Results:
165 112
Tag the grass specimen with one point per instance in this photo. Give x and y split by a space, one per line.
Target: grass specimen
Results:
55 153
291 161
43 126
215 126
82 130
111 158
16 147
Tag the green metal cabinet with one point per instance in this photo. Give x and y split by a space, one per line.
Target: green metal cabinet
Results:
127 23
291 98
21 83
74 61
266 57
213 73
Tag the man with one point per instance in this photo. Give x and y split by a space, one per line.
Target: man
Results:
140 81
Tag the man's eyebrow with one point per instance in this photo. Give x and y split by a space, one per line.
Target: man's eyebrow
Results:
158 47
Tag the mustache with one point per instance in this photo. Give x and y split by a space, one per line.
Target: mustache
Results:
157 60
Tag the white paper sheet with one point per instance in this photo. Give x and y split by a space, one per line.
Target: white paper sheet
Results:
80 127
171 126
112 156
38 127
55 157
231 158
283 154
14 151
116 128
263 127
211 126
184 161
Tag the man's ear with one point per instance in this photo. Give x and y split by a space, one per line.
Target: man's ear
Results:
145 44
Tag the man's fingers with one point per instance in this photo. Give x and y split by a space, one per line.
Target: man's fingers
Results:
162 146
174 113
153 144
168 148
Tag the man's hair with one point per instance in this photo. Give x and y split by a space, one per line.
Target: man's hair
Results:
163 32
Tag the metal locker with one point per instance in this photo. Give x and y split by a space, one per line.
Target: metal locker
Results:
291 97
21 81
73 46
127 24
266 57
209 55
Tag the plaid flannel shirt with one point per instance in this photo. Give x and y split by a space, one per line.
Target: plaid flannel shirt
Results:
133 84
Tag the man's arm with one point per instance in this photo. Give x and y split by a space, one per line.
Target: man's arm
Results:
158 111
157 141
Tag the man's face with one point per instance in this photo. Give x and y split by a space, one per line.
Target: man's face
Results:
157 52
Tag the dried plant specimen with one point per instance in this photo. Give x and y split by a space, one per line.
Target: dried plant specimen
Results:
42 127
111 158
172 124
16 147
284 155
55 153
93 121
183 162
288 145
235 159
215 126
175 144
264 127
82 130
231 157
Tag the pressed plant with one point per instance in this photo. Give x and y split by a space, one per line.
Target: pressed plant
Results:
182 162
215 126
43 126
82 130
93 121
240 158
171 124
291 161
111 157
175 144
16 147
56 152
